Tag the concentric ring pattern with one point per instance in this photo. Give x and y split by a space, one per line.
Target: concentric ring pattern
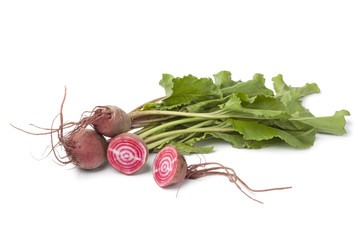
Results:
126 154
164 166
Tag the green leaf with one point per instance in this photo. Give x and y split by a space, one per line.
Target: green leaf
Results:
296 92
289 125
259 132
234 105
290 96
223 79
253 87
216 104
332 124
238 141
205 106
190 89
279 85
149 106
244 98
265 102
186 149
167 83
196 138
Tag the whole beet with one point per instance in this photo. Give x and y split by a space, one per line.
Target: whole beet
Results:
113 121
86 149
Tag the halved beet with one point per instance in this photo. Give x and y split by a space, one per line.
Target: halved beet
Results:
169 167
127 153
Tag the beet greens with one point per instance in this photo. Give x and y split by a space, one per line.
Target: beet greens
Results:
246 114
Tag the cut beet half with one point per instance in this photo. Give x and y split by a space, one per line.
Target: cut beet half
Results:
169 167
127 153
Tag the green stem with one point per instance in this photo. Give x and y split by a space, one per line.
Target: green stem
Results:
137 114
142 130
188 130
161 141
169 124
166 139
151 120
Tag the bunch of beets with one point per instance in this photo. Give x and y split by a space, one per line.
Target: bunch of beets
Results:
246 114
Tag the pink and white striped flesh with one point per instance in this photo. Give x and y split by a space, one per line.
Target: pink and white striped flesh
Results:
169 167
127 153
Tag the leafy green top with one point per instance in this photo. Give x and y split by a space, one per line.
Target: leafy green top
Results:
252 115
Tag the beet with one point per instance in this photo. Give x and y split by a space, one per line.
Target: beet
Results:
127 153
111 121
169 167
86 149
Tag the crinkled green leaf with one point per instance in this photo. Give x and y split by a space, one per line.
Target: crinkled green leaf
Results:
149 106
234 105
206 105
196 138
332 124
167 83
216 104
282 88
265 102
290 96
287 124
223 79
259 132
238 141
244 98
186 149
191 89
188 146
253 87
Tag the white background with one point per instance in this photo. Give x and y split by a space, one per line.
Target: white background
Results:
114 52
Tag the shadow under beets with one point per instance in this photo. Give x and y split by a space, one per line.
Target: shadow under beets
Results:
92 171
